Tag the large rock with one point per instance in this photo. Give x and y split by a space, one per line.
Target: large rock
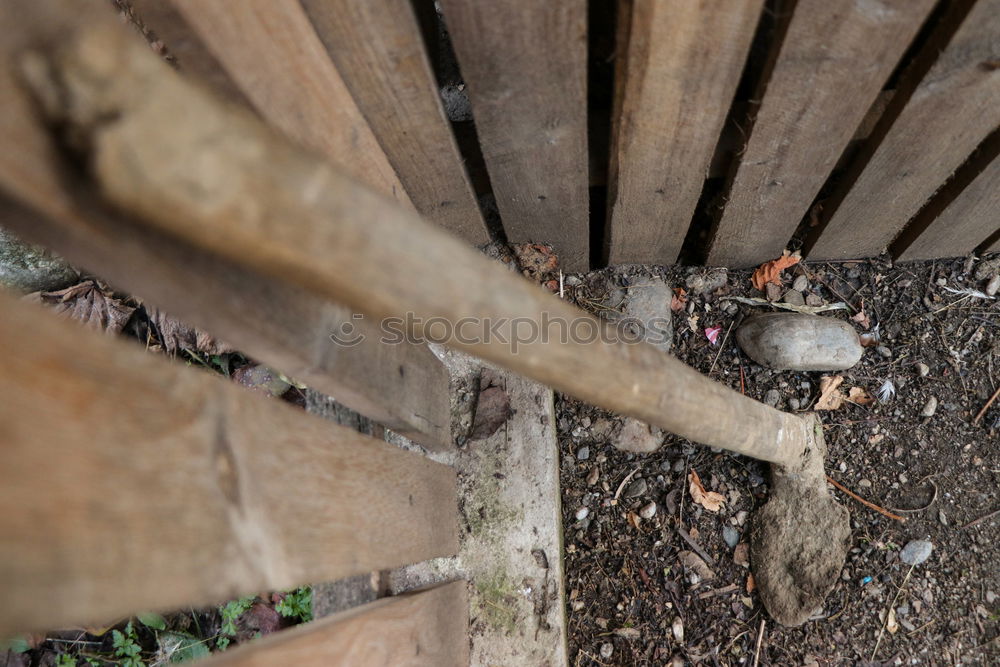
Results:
798 342
647 309
27 268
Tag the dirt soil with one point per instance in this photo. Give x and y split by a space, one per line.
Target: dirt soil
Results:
636 596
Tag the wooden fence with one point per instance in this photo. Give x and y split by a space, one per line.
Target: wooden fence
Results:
272 217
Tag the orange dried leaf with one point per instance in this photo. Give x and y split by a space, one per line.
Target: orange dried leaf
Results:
830 396
861 317
710 500
859 396
751 583
678 300
770 272
633 519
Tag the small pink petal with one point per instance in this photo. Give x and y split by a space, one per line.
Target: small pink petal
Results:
712 334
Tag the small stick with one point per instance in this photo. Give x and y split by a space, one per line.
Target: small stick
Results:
721 346
760 639
624 482
864 502
986 407
981 519
889 609
743 388
694 545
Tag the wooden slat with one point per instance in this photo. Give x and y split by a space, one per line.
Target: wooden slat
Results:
677 75
424 628
132 482
955 106
378 50
403 386
313 225
271 50
525 66
965 223
834 60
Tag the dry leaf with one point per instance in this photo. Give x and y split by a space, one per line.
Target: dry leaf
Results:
862 318
694 562
678 300
751 583
741 554
710 500
770 272
859 396
633 519
830 396
890 623
175 335
89 303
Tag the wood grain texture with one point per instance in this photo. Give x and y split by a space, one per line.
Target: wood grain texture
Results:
377 48
271 50
525 66
677 73
132 482
833 62
968 220
424 628
403 386
955 106
309 223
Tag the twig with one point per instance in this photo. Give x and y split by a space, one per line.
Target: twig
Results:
694 545
978 521
755 301
624 482
743 387
718 591
889 609
760 640
864 502
979 415
721 347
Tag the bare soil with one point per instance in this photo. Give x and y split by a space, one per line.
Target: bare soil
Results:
631 599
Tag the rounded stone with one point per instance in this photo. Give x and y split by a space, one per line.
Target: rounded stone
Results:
799 342
27 268
916 552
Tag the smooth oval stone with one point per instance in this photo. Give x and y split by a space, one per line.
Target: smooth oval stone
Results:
799 342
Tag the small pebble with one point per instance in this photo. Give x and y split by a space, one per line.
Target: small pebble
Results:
800 284
991 597
582 513
916 552
772 397
843 466
930 407
583 454
903 479
794 404
607 650
648 511
923 369
678 629
884 352
993 286
636 488
814 300
593 476
794 297
942 517
731 536
865 484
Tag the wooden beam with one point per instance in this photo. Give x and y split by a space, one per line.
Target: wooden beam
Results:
132 482
403 386
954 107
677 76
833 62
525 66
423 628
961 224
271 50
378 50
218 179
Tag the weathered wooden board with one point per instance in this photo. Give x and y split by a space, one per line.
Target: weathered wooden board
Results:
272 51
833 62
423 628
132 482
403 386
525 65
677 75
955 106
968 220
377 48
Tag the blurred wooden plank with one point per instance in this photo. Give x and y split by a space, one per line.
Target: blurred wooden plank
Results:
677 76
403 386
834 61
429 627
132 482
954 107
377 48
271 50
525 65
967 220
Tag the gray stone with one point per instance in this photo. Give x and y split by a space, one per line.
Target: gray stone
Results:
799 342
648 511
794 297
636 488
582 513
772 397
731 536
607 650
647 305
794 404
916 552
993 286
930 407
800 284
583 454
637 436
698 283
884 352
28 268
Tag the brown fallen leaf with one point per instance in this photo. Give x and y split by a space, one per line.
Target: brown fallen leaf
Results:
861 317
830 396
859 396
537 261
741 554
175 335
90 303
678 300
710 500
694 562
770 272
633 519
751 583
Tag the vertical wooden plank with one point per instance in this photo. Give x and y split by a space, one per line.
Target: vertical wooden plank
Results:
131 482
833 62
966 222
525 65
403 386
955 106
677 77
377 48
271 50
424 628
